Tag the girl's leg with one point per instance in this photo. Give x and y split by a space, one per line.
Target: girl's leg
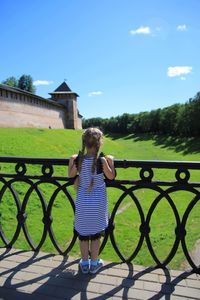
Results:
94 248
84 262
95 263
84 247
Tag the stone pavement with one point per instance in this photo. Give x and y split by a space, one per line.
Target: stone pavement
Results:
25 275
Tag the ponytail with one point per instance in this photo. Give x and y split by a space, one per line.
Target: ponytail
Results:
80 161
94 166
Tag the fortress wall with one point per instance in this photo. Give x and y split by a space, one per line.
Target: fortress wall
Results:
72 116
30 112
79 123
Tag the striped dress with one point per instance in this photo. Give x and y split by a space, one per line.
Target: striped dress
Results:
91 214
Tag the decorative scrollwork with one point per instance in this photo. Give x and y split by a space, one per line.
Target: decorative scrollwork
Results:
182 176
47 170
166 195
126 192
183 237
20 169
128 189
146 174
8 185
21 217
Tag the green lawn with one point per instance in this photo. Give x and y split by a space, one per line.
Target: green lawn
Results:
64 143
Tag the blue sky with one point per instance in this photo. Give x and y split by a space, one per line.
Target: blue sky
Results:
118 55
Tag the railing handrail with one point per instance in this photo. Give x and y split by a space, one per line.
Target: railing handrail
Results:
119 163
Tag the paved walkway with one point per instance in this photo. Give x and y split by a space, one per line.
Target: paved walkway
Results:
25 275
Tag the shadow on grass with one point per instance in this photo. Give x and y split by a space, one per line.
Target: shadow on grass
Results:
185 145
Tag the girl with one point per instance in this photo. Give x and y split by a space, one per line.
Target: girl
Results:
91 213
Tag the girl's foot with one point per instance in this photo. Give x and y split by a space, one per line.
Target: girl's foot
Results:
84 266
96 265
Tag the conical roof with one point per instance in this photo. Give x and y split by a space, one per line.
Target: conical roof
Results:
63 88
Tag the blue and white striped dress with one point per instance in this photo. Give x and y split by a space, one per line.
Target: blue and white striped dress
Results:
91 214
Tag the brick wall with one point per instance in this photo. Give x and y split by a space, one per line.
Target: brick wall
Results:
26 113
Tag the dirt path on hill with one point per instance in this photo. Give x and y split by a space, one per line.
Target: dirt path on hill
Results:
195 253
123 208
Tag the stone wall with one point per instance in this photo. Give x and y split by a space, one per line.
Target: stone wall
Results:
79 123
24 111
72 116
69 100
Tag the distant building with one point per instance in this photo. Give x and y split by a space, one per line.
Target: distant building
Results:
19 108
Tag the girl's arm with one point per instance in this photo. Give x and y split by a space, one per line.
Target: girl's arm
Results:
72 169
108 166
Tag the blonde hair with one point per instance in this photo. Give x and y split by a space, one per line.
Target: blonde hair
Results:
91 138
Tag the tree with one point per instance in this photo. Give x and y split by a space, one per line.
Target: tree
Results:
123 123
177 119
144 121
11 81
26 83
168 119
194 113
93 122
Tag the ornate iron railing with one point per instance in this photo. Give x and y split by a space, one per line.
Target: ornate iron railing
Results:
146 180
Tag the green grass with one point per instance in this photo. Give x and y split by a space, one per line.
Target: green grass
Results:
64 143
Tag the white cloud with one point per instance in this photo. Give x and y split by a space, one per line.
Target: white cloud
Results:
98 93
141 30
178 71
181 27
42 82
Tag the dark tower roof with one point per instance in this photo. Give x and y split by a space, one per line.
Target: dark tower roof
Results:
63 88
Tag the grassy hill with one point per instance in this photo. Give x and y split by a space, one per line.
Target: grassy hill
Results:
64 143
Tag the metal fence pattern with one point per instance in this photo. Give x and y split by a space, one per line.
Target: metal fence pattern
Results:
146 180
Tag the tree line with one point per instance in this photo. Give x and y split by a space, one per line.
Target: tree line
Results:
177 120
25 82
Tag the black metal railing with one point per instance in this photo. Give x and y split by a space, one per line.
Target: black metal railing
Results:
16 169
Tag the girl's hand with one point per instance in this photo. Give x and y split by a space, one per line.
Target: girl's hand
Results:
103 159
108 166
109 158
73 157
72 169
